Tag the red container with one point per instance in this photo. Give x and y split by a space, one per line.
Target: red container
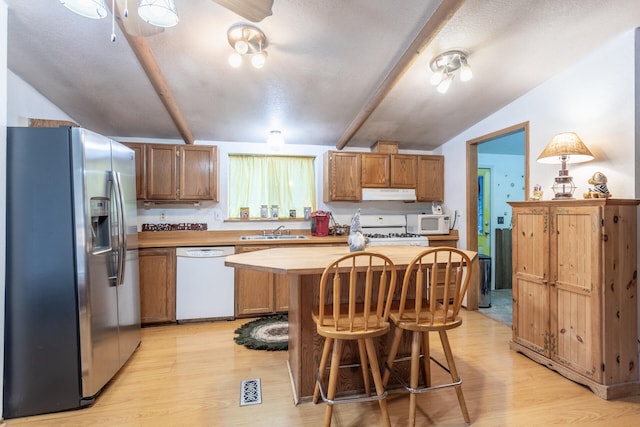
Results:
319 223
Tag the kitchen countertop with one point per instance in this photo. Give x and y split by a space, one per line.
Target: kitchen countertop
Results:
168 239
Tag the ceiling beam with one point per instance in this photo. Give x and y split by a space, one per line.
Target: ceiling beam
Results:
151 68
431 28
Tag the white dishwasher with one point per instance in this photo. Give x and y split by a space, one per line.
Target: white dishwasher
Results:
204 285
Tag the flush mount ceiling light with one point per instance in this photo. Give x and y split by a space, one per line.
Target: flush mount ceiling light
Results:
161 13
275 139
247 39
445 65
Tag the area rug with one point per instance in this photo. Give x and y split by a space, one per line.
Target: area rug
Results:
266 333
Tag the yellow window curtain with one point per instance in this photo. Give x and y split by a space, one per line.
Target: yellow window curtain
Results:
286 181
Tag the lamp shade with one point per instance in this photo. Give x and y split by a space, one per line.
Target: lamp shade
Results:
94 9
566 146
161 13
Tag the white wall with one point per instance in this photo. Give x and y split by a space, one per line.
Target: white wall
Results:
592 98
3 176
26 102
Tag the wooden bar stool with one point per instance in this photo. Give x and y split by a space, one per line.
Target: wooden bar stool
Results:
354 302
427 305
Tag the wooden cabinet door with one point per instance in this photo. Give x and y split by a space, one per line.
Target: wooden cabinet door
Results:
161 172
430 181
254 289
157 285
198 172
531 279
341 181
141 168
281 292
376 170
575 263
403 170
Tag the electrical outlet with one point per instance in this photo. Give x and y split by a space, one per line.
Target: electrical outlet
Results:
217 215
162 216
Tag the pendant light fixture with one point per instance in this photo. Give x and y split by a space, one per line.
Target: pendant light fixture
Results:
161 13
94 9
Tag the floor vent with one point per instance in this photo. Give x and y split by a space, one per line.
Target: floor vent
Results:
250 392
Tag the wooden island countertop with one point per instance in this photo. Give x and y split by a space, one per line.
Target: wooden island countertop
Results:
303 267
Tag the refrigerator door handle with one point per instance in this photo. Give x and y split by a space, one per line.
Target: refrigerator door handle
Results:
122 237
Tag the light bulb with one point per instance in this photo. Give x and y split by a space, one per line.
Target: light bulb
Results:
258 60
235 60
241 46
443 87
436 77
94 9
465 72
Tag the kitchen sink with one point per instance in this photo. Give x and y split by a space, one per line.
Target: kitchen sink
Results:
275 237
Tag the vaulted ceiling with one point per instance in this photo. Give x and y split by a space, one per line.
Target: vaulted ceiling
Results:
338 73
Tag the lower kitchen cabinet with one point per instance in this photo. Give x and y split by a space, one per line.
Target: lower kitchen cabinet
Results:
258 292
157 285
254 289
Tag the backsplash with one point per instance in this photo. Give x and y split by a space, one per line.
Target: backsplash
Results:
175 227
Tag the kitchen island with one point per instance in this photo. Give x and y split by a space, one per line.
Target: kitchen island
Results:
303 267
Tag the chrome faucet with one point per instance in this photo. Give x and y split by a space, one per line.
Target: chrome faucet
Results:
277 229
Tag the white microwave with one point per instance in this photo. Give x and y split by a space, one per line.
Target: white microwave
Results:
425 224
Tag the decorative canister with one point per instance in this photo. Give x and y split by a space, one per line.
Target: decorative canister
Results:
264 211
307 212
274 211
292 213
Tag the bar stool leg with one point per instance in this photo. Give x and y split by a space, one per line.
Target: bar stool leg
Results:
323 367
426 353
395 344
415 373
364 365
377 379
454 375
333 380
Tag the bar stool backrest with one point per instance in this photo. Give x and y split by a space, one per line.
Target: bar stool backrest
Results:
424 296
355 292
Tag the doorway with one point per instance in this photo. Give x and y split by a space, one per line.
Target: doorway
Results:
497 172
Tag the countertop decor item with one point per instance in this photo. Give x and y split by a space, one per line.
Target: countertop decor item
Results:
266 333
356 240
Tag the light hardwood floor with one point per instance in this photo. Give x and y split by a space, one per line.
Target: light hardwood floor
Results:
190 375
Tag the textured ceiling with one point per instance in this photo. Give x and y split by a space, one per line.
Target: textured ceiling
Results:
326 60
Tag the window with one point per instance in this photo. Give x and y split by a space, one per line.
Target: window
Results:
286 181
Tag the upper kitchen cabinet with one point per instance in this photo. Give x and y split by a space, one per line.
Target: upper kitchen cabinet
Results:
403 170
381 170
176 172
342 175
198 172
141 168
430 179
376 170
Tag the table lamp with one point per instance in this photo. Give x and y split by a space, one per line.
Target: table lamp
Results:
566 147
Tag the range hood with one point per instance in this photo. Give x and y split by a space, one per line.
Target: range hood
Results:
402 194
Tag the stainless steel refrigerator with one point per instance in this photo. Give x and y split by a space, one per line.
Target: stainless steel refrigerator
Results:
72 310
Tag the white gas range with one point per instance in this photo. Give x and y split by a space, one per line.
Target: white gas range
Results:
389 229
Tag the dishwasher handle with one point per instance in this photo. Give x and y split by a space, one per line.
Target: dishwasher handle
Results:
207 252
